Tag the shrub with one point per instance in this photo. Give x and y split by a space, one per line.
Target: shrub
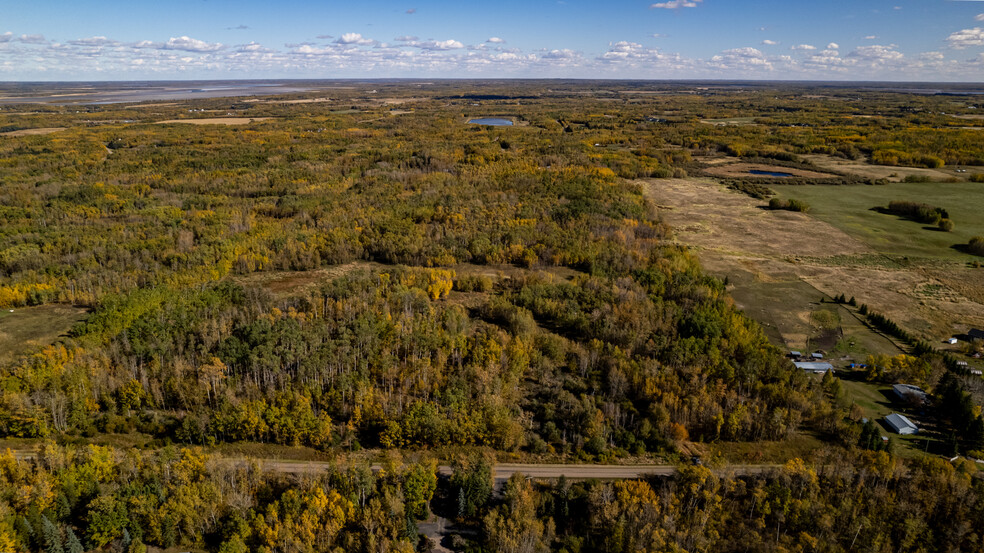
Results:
789 205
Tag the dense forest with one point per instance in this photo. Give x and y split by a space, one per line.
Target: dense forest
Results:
367 273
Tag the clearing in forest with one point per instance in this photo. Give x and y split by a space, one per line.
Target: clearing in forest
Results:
26 327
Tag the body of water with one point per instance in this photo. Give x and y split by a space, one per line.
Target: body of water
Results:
769 173
492 121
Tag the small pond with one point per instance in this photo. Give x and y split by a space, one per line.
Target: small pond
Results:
493 121
769 173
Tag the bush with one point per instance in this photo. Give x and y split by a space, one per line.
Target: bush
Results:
976 245
789 205
946 225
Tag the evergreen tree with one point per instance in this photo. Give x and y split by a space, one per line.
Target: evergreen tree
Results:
72 542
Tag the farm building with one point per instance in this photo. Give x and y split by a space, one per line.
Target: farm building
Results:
816 355
900 424
795 354
812 367
976 334
951 341
909 393
976 372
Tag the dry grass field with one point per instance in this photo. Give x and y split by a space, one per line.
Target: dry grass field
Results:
27 327
216 121
780 264
32 132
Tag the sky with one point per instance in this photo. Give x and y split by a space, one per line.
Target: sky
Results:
896 40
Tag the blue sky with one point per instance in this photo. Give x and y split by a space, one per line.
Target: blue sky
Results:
727 39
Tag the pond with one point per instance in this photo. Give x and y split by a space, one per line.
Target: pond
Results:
492 121
769 173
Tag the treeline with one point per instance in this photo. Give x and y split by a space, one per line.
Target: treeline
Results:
93 498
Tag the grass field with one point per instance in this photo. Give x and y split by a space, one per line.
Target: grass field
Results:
848 208
34 326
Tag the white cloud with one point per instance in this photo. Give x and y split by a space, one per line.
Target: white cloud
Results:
877 54
252 47
932 56
6 37
833 46
449 44
979 17
354 38
803 47
675 4
768 42
562 54
871 37
965 38
93 41
658 35
496 40
188 44
406 38
33 39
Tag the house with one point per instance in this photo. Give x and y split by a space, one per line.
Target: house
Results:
900 424
813 367
795 354
816 355
976 372
909 393
962 364
976 334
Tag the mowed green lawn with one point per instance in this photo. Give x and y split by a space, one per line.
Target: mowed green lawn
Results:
849 209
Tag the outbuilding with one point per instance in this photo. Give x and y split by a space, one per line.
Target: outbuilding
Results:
900 424
976 334
909 393
813 367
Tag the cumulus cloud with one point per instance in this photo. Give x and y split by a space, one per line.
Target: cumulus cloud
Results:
833 46
768 42
188 44
966 38
877 54
93 41
354 38
803 47
496 40
33 39
252 47
6 37
449 44
562 54
675 4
